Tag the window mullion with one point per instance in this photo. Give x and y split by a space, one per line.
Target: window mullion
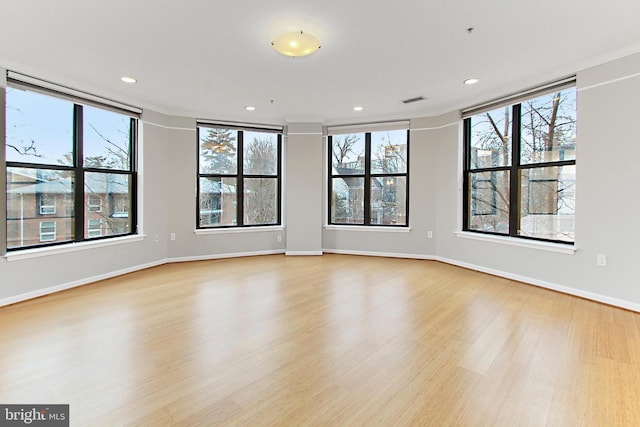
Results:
279 180
240 181
466 149
79 172
367 179
514 183
133 159
330 176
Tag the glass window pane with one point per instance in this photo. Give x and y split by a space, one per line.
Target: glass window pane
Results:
260 155
36 196
348 154
549 128
491 139
218 151
489 201
39 128
547 203
389 152
217 201
388 200
260 201
347 205
107 198
107 137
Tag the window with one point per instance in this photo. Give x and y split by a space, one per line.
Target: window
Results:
94 204
120 206
47 231
94 228
368 178
519 171
47 204
68 159
239 176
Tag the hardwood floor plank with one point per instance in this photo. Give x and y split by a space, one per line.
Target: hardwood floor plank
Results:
314 341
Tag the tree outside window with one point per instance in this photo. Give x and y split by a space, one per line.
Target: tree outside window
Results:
239 177
520 168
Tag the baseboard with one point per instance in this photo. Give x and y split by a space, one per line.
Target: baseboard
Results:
528 280
627 305
303 253
222 256
53 289
379 254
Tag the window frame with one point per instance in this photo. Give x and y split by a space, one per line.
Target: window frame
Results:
516 166
54 232
93 207
77 170
94 229
367 176
49 209
239 176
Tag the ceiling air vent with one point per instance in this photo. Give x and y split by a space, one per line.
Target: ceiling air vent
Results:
412 100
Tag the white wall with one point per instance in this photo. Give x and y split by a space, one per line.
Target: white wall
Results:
423 190
608 149
180 188
304 183
34 276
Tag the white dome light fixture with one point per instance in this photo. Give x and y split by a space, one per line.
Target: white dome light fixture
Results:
296 43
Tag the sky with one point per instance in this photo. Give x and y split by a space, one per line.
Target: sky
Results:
48 121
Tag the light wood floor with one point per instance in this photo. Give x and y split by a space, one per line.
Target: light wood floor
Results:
334 340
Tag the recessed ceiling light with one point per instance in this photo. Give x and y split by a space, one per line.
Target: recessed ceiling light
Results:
358 108
471 81
129 80
250 108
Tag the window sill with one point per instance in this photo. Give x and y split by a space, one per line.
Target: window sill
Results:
513 241
233 230
71 247
391 229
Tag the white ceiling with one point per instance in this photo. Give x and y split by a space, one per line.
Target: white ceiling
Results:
209 59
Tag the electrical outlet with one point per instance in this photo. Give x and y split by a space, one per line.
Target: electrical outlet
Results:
173 236
429 234
279 238
602 260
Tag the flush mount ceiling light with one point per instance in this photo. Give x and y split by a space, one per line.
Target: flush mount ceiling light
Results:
250 108
471 81
129 80
358 108
296 43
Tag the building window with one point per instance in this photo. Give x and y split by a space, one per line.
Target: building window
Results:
369 178
68 159
94 204
94 228
47 204
120 207
239 176
519 170
47 231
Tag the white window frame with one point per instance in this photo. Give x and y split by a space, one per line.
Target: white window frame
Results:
93 231
47 209
93 207
48 236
